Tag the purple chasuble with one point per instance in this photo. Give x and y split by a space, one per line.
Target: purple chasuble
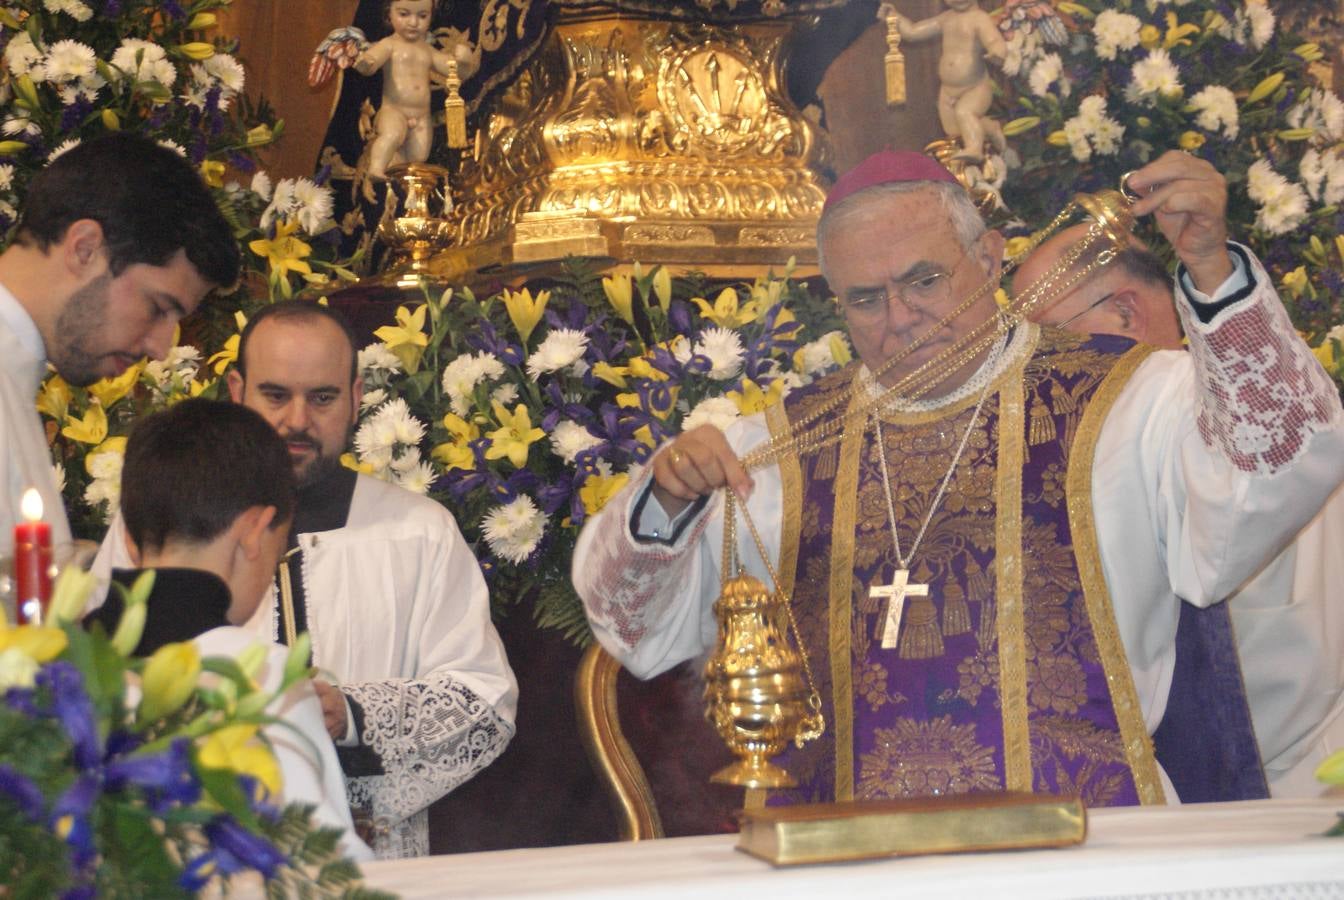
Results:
933 715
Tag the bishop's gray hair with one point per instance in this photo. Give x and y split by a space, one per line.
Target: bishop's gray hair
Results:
965 219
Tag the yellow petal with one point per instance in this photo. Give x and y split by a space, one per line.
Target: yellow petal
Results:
169 679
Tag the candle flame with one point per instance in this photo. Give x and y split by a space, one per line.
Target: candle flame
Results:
31 505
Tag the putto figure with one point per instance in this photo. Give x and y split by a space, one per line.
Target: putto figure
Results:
403 125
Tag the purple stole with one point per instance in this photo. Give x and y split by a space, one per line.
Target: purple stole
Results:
1010 674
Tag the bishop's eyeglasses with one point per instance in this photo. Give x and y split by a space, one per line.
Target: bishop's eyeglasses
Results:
921 293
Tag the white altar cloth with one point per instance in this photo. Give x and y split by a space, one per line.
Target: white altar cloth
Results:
1255 849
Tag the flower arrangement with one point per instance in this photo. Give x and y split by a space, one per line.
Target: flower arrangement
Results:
526 411
1094 90
74 69
144 777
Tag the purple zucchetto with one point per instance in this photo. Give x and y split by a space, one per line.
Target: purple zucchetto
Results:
887 167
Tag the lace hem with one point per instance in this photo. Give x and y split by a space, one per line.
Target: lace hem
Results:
627 586
431 735
1263 394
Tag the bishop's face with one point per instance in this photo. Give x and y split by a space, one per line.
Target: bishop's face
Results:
896 268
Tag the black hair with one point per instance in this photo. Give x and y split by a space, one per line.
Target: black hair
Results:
193 468
149 201
299 311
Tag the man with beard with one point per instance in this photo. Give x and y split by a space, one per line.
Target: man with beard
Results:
118 240
415 687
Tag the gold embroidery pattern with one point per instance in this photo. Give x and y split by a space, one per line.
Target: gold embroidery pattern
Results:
918 759
1137 745
1073 739
1008 577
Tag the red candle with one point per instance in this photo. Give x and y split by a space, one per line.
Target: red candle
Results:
32 561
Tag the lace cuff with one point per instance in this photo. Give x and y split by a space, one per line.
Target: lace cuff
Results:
430 735
627 585
1262 392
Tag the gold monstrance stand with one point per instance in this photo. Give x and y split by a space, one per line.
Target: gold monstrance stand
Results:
759 691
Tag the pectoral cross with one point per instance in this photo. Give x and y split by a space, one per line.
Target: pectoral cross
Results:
895 594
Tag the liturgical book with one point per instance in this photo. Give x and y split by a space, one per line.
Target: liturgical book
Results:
832 832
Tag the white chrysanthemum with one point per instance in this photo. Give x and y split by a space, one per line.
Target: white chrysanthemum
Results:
514 530
1285 211
1153 76
194 93
461 376
281 206
562 347
312 204
227 71
170 144
6 177
1093 130
681 349
723 348
58 471
406 461
75 9
417 478
23 58
377 358
1020 51
1334 177
1114 31
1106 136
569 439
505 394
1047 70
62 147
105 467
1253 24
818 356
1311 169
1321 111
406 428
718 411
1263 183
69 60
85 89
372 397
375 437
20 124
141 60
182 363
261 185
1216 108
1076 131
8 211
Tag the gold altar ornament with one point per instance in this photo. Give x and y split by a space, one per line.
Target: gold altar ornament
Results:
414 226
454 109
894 62
632 137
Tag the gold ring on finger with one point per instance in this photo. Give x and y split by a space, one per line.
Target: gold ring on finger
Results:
1125 190
675 456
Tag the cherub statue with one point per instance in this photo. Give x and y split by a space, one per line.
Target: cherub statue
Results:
402 126
970 36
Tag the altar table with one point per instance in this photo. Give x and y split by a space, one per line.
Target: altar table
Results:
1259 849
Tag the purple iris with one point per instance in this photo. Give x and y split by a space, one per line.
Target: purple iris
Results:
233 849
487 338
25 794
166 778
74 710
75 804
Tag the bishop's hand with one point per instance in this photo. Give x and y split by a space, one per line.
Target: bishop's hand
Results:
338 50
1187 197
696 463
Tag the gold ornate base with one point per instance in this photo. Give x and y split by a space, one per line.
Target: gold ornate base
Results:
634 138
754 772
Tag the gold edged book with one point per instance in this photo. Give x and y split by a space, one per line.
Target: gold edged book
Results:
832 832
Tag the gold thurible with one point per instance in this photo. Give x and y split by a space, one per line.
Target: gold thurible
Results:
895 65
454 109
759 693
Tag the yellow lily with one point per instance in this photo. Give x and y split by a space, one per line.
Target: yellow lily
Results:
598 489
457 454
407 339
640 367
236 748
350 462
840 350
111 121
525 310
228 354
1325 353
620 295
54 398
69 594
515 435
1057 139
110 390
202 21
260 134
168 680
1149 36
1295 282
40 643
212 172
197 50
1267 86
662 286
751 399
644 435
283 253
612 375
1190 140
91 428
725 312
1331 769
1178 34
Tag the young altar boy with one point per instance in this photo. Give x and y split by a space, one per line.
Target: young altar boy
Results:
207 495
